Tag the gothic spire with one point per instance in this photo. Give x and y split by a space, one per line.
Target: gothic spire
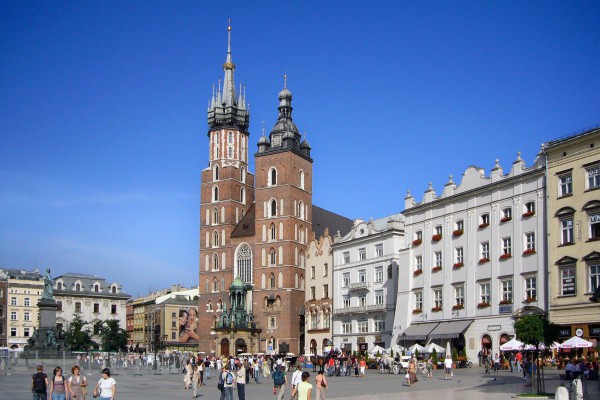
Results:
228 82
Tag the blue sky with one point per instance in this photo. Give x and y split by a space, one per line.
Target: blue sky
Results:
103 111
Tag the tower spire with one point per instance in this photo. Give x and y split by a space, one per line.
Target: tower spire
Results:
229 99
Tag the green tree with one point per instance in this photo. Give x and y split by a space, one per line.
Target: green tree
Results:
434 357
536 330
78 336
114 338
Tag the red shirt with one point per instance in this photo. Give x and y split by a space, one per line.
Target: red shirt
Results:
519 356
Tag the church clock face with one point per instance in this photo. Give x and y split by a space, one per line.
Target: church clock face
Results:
276 140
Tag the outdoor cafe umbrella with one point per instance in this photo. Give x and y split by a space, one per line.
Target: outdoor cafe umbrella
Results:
512 345
377 349
438 349
575 343
416 347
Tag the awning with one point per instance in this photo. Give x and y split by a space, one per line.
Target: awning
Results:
418 331
450 329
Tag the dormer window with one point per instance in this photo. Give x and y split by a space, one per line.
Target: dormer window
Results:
96 288
78 287
113 289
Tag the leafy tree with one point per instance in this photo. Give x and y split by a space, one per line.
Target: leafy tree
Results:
114 338
535 330
434 356
78 336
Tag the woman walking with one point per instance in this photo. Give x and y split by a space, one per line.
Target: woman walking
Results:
321 386
412 371
77 384
58 389
303 390
187 377
107 386
430 367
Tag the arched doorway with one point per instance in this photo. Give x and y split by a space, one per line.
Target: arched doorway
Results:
225 347
313 347
240 346
486 345
505 337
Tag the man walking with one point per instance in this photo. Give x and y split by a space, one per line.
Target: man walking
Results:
448 367
39 384
296 378
279 382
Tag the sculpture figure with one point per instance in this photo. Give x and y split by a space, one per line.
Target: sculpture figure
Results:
48 293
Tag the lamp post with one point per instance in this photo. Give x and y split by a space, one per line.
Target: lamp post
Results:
156 344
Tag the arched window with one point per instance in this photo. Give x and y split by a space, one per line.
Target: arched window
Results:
243 175
273 208
243 195
302 282
215 193
217 137
272 177
272 281
280 283
114 289
215 215
215 287
209 306
216 173
244 263
273 232
215 239
215 262
272 257
301 179
59 285
230 152
300 210
230 137
96 288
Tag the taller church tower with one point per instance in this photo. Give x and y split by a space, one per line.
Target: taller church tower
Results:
227 192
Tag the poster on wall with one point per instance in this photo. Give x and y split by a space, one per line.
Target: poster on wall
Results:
188 325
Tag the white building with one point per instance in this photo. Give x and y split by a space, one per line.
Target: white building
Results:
474 257
89 297
365 275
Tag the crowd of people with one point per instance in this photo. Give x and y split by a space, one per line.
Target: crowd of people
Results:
75 387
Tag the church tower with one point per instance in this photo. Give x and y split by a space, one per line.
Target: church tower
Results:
227 192
283 223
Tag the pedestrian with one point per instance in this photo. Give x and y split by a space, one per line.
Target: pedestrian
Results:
321 386
496 362
355 369
486 364
39 384
511 360
187 374
200 370
296 379
106 388
196 380
363 367
412 371
241 381
279 382
303 391
448 366
77 384
256 371
228 382
430 367
518 359
58 389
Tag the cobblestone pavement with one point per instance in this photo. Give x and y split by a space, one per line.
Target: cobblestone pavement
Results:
466 384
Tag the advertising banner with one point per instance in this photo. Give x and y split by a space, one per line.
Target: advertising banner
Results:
188 325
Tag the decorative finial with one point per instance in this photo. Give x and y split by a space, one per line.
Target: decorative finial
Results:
518 155
285 80
497 163
408 193
430 186
229 25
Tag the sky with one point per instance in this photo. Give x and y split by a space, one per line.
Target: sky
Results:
103 129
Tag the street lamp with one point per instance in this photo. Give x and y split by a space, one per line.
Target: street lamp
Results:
156 343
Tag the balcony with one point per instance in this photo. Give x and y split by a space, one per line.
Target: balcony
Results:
364 309
359 286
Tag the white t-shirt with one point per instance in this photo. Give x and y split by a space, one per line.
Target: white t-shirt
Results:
106 387
448 363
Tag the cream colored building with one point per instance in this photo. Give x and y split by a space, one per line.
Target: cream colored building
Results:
318 303
573 218
24 290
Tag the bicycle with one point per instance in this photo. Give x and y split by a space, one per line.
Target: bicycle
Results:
422 368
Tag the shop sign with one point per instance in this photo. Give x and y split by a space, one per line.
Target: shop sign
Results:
565 332
505 308
595 331
494 328
579 332
568 286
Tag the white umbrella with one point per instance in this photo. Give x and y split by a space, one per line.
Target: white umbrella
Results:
416 347
511 345
377 349
438 349
575 343
448 352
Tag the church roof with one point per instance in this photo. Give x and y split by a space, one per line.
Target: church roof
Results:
246 226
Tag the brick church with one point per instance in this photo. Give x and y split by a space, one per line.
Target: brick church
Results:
254 229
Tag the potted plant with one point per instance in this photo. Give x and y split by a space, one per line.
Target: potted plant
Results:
483 304
529 300
458 265
417 311
436 238
417 272
436 309
505 219
528 214
436 269
417 242
505 256
529 251
484 225
454 358
458 307
434 358
484 260
505 301
458 232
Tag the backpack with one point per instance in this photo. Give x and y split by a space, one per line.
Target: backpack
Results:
278 378
39 383
229 378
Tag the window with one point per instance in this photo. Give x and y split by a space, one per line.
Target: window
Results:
113 289
13 301
379 274
346 279
419 262
438 230
230 137
301 176
437 298
272 257
77 306
484 293
26 316
313 321
567 281
362 254
273 232
215 193
215 265
26 302
325 269
346 301
438 258
272 322
459 255
379 297
378 250
273 208
26 332
419 235
362 275
378 324
593 177
460 225
418 300
312 272
325 291
216 173
209 308
272 284
215 239
113 308
346 257
243 195
312 293
507 291
59 285
485 220
485 250
506 214
594 226
244 263
594 278
96 288
459 296
59 306
530 288
96 308
13 315
273 177
565 185
506 246
326 321
215 287
363 326
219 305
13 332
215 216
173 335
362 301
566 231
530 242
529 208
347 327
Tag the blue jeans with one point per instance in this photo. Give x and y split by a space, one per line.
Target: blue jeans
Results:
228 392
241 389
56 396
40 396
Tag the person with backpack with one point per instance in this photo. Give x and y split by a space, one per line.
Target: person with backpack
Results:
58 387
228 379
39 384
279 382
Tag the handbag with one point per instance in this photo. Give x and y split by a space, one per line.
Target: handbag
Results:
323 384
84 390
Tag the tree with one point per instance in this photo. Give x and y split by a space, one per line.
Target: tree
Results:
535 330
78 336
114 338
434 357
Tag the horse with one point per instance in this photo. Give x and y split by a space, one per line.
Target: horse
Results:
386 363
318 361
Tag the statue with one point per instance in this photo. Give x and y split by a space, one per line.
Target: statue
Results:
48 293
51 339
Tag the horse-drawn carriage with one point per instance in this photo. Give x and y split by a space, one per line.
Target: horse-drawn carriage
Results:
391 365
